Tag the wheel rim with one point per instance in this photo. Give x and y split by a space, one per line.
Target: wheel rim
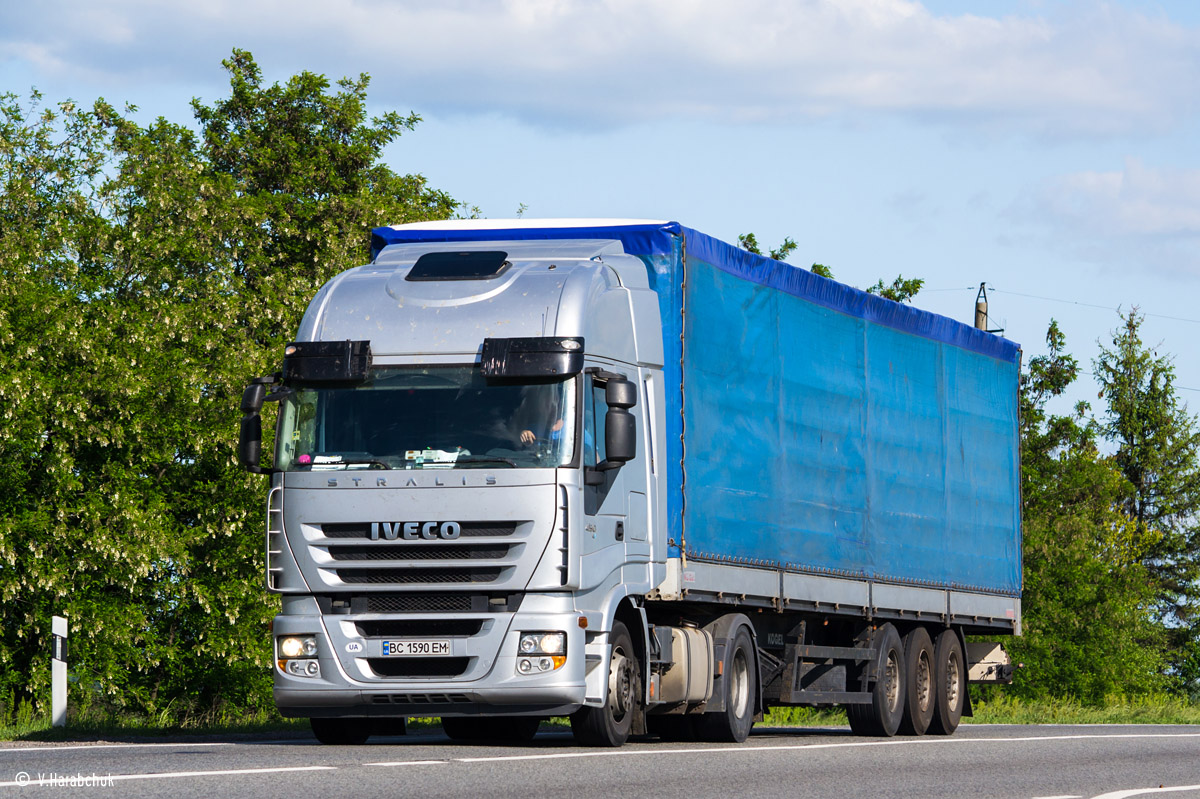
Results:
620 685
924 681
891 686
953 679
739 691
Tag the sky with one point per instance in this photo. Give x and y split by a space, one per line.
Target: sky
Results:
1046 148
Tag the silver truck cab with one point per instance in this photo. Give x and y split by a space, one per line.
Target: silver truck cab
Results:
445 528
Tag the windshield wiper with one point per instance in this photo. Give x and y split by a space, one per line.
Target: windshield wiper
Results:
345 460
369 462
486 459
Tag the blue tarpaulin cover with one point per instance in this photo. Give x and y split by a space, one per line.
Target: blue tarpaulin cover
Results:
824 429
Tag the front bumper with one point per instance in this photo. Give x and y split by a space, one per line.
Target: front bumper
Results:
489 684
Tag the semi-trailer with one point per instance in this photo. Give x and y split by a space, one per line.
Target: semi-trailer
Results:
622 471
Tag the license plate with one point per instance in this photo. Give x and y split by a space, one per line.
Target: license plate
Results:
411 648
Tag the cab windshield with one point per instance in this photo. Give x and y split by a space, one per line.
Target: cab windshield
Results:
428 418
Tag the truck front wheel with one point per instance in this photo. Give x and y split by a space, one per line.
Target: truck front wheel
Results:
610 725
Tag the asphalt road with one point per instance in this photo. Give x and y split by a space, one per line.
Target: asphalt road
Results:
1022 762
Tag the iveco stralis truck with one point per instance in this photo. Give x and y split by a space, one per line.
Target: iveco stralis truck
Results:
624 472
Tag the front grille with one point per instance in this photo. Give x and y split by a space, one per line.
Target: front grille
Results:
419 603
408 576
417 552
420 699
418 667
420 628
468 529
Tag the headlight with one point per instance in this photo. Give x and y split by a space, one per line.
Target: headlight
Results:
296 646
543 644
297 655
541 652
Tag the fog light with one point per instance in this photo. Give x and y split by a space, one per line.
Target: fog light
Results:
524 665
313 669
545 664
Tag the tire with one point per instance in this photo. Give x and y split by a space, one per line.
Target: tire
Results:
739 683
611 724
919 690
950 683
495 729
341 732
881 716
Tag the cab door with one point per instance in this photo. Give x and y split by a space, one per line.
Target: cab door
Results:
615 507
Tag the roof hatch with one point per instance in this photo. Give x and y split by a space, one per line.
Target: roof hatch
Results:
477 265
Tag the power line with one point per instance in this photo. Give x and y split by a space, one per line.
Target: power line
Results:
1068 302
1181 388
1083 304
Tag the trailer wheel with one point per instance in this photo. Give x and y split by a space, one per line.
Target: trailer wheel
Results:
881 716
499 729
610 725
950 683
341 732
920 693
738 680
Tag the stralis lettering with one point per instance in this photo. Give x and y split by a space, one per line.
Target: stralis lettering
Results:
412 531
410 482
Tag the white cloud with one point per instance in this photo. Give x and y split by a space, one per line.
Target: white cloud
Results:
1094 68
1137 201
1140 215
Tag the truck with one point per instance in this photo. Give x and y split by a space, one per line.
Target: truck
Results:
624 472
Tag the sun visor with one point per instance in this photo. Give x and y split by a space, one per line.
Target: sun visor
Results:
322 362
532 357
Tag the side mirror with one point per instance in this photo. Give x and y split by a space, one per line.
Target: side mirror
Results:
250 438
620 428
620 435
250 442
252 398
620 394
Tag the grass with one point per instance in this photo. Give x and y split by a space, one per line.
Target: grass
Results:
1147 710
25 725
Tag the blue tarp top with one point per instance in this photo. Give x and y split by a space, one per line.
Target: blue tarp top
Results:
662 238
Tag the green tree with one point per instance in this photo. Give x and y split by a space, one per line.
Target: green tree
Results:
748 241
1158 453
1088 627
902 289
153 271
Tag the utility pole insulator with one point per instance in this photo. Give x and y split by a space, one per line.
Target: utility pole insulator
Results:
981 314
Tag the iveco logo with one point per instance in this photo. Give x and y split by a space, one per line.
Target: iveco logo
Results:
412 531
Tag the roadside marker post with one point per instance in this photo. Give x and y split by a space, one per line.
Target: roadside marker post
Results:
58 672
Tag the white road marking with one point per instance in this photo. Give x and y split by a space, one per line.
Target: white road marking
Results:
411 763
6 750
1141 791
793 747
32 779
